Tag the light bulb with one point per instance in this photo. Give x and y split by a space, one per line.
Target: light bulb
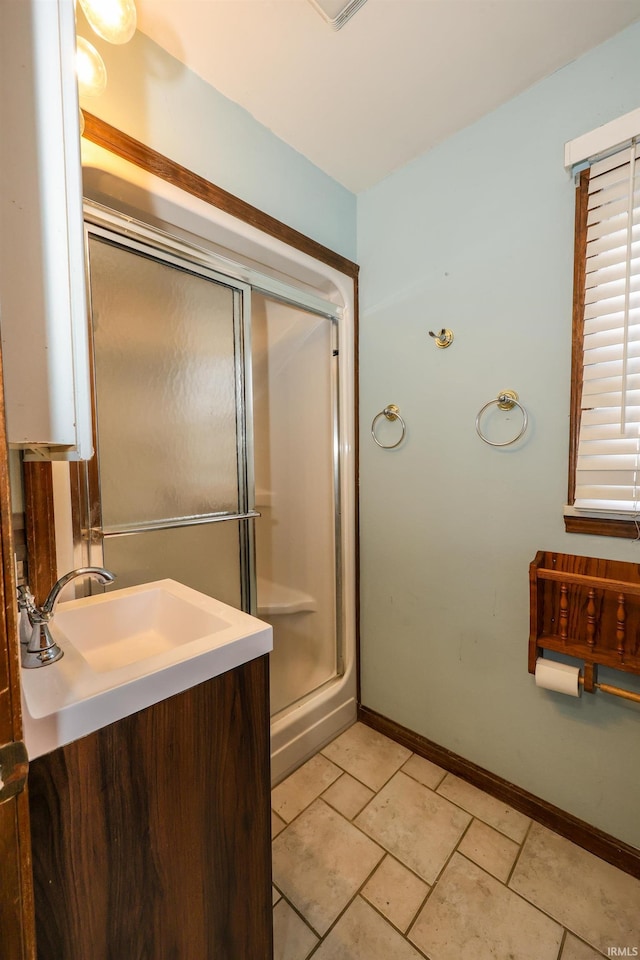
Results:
113 20
92 73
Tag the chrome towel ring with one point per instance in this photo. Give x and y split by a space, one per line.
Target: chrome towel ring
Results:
391 412
506 400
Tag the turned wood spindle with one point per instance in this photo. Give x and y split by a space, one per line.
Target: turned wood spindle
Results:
620 626
564 611
591 618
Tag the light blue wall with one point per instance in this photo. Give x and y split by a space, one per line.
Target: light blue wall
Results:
476 235
157 100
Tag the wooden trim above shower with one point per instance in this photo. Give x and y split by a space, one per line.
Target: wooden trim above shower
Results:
601 844
128 148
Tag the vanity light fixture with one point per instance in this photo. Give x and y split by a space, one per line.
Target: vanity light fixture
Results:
113 20
337 12
92 73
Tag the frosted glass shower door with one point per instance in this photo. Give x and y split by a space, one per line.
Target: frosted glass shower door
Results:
295 426
170 488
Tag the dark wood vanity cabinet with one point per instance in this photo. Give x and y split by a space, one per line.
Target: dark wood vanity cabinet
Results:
151 837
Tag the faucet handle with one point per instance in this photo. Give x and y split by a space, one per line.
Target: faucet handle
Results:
41 647
25 598
100 574
27 607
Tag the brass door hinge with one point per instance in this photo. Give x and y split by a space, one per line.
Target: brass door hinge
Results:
14 767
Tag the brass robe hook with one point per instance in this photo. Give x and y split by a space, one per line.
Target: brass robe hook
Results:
443 339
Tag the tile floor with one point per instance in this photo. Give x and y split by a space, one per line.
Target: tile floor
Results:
379 854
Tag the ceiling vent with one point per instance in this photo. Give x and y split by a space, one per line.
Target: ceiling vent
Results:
337 12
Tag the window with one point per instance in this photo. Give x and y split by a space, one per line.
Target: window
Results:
604 482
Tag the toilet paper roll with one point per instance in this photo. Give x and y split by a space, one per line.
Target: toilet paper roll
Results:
558 676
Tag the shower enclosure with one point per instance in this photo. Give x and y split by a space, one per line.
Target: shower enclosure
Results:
217 445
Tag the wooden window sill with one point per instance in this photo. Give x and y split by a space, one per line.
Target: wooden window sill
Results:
600 527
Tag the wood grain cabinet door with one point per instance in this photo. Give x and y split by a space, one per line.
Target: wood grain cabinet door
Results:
151 837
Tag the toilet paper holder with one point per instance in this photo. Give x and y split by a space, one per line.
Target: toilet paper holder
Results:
591 684
588 609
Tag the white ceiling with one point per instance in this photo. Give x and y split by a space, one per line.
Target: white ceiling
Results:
400 77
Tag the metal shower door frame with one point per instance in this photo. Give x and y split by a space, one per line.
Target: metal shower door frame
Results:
90 532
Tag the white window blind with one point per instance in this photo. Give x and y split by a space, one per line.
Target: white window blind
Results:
608 465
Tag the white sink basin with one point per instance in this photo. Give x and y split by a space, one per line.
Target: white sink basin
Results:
121 628
128 649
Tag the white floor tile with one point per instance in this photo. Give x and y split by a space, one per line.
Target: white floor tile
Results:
575 949
413 823
485 807
295 793
395 892
596 901
367 755
362 934
491 850
292 939
348 796
424 771
319 863
471 914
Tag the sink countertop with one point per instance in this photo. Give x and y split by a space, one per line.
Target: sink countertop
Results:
128 649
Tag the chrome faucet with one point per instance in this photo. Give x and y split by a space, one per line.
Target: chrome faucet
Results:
38 645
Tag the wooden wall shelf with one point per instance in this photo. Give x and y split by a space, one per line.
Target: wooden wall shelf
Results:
587 608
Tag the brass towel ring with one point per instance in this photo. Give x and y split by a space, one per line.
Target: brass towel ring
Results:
391 412
506 400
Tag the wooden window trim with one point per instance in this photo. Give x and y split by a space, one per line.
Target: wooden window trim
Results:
598 526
